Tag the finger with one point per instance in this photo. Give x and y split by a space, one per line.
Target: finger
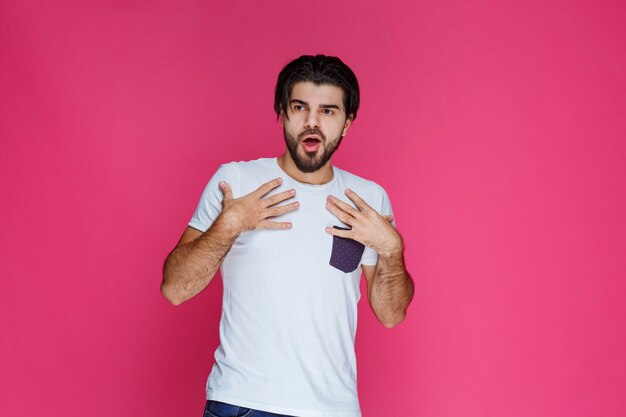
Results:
343 206
339 232
277 198
226 190
341 215
268 224
277 211
358 201
267 187
388 217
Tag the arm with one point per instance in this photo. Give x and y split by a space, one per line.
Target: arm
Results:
389 287
190 267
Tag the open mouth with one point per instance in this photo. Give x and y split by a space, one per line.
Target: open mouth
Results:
311 144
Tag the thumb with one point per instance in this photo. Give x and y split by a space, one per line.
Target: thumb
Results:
226 191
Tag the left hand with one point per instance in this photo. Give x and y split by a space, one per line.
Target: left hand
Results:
368 227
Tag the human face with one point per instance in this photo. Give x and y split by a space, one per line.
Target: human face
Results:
317 122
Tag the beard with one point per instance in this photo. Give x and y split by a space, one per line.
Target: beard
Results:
310 161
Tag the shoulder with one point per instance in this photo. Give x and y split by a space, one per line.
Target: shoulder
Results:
373 193
247 176
255 169
237 169
254 165
356 182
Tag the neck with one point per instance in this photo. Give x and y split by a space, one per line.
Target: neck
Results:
321 176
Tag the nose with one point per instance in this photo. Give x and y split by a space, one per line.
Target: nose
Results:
312 121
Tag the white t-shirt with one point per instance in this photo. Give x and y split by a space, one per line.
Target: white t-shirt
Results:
289 317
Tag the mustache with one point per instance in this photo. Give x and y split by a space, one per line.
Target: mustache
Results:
312 132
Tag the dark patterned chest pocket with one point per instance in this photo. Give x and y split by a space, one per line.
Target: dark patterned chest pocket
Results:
346 254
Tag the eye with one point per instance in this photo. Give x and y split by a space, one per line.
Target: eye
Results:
298 107
328 111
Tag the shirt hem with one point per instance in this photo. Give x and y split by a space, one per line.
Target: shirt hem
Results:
198 226
211 395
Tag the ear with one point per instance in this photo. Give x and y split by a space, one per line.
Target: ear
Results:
346 125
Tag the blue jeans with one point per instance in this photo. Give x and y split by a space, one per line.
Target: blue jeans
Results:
219 409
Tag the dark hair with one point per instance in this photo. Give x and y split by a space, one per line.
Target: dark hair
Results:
319 69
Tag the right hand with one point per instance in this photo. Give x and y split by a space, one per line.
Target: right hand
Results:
250 212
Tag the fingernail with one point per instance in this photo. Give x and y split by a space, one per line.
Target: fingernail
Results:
348 190
280 180
221 184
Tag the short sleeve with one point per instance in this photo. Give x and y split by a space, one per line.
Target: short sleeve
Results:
210 205
370 257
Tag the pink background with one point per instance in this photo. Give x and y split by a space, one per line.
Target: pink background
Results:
497 128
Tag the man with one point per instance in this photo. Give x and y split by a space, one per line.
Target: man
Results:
291 236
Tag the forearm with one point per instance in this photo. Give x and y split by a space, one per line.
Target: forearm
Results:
392 288
190 267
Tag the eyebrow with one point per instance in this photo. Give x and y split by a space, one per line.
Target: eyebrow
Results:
324 106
